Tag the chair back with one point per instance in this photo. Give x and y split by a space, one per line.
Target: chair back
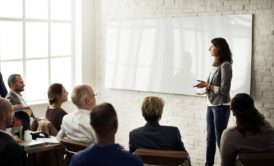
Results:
72 147
255 159
16 131
163 157
47 127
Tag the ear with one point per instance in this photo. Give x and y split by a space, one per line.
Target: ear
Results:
115 124
87 100
4 116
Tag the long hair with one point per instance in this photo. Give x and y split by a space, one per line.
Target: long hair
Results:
224 52
248 117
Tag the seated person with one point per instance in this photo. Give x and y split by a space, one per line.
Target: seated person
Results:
57 95
103 119
10 152
252 132
17 85
153 135
75 125
21 118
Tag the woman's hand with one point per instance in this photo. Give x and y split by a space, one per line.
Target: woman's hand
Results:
201 84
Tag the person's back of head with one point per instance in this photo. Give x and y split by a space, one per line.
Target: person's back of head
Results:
247 116
83 97
6 114
103 119
152 108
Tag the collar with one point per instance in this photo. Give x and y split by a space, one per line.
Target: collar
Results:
83 111
6 132
152 124
17 94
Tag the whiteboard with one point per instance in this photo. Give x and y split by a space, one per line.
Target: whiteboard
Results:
168 55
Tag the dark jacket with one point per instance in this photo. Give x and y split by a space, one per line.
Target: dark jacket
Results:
3 90
14 100
10 152
154 136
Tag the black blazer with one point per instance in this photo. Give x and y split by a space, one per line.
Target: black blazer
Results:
10 152
3 90
154 136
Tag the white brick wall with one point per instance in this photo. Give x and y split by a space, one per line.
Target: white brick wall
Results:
188 112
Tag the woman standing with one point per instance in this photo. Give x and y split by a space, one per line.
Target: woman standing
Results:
57 95
218 98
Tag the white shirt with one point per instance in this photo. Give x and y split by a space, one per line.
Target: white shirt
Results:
76 126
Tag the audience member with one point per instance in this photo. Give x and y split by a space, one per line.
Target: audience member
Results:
75 125
103 119
3 89
10 152
252 132
16 84
57 95
153 135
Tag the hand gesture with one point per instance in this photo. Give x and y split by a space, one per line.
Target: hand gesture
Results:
201 84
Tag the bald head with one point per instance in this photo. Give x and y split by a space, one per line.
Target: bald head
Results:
103 119
6 114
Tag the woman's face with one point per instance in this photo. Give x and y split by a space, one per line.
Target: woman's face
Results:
213 50
64 95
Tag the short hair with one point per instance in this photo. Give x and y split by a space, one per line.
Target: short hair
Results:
54 92
4 106
247 116
224 51
152 108
12 79
103 118
80 93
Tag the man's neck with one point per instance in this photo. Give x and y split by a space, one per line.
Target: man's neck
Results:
105 140
19 93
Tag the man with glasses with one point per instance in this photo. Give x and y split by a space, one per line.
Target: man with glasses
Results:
76 125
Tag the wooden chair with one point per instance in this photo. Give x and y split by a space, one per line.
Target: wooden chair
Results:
72 147
163 157
16 131
255 159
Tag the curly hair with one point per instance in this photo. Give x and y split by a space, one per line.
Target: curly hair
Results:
248 117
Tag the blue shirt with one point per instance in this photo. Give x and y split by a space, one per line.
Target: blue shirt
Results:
110 155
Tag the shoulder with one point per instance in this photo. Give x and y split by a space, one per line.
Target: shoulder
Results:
129 158
226 64
136 131
170 128
82 156
230 133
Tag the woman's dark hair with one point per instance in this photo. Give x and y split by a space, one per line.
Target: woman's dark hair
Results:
54 92
224 52
247 116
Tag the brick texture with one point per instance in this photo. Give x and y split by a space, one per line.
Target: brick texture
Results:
188 112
